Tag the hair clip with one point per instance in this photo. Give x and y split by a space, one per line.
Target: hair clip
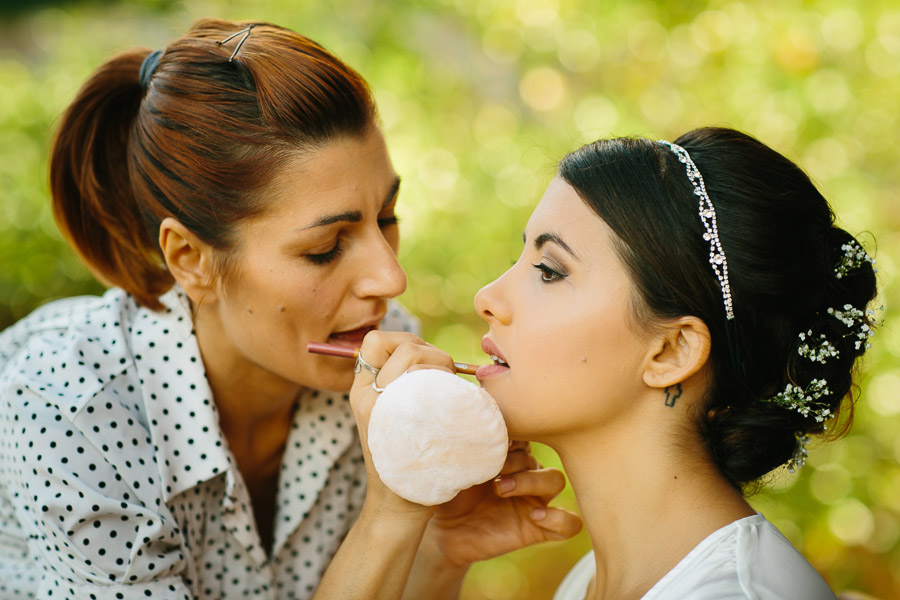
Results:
240 43
853 258
798 459
148 68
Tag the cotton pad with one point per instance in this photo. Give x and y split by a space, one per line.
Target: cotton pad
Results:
433 434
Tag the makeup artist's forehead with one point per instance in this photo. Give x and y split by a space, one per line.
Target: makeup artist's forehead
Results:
347 175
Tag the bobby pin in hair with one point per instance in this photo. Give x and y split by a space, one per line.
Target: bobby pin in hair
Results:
246 33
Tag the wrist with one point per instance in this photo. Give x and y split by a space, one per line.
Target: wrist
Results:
433 574
433 557
394 515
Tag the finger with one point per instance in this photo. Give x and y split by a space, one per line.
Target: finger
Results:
519 445
425 367
557 523
406 356
376 348
391 354
379 345
546 484
518 460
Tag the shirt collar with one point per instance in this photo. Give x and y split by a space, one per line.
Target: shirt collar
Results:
184 423
322 433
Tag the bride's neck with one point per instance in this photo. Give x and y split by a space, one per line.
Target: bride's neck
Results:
647 498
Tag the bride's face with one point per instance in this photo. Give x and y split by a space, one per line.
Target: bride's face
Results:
561 318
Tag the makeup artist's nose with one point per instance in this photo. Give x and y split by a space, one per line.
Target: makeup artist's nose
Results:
380 274
489 303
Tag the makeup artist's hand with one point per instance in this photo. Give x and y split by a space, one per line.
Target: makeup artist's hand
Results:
376 557
480 523
503 515
483 521
393 354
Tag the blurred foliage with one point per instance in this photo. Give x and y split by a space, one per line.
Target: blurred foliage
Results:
479 99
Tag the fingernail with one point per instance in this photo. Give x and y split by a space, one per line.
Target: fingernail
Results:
538 514
506 485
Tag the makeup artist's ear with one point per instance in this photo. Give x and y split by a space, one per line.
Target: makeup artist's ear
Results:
190 260
679 350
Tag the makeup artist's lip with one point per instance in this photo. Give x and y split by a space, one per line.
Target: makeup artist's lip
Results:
500 365
353 337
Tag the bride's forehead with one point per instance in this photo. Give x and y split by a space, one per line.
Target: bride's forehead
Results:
561 208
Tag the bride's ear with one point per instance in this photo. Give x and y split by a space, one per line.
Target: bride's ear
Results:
678 351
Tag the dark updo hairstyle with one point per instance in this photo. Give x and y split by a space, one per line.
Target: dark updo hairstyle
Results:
778 235
192 133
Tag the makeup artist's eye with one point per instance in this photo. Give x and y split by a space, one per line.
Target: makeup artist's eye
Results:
548 274
388 221
326 257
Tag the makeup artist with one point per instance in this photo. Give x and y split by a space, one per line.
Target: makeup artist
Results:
173 438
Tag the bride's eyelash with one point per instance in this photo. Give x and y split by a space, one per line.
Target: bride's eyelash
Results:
548 274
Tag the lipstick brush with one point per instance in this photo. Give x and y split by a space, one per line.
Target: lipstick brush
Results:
345 352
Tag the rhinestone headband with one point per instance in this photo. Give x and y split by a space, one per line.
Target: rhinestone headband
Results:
708 217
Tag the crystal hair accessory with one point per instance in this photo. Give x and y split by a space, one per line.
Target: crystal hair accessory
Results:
798 459
805 401
246 32
854 256
708 217
819 350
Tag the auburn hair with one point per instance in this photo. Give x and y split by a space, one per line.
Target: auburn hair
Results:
195 139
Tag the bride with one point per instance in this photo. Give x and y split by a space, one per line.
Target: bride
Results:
682 318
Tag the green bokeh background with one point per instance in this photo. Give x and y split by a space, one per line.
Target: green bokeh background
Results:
479 99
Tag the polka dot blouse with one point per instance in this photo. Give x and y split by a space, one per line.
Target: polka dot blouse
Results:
117 483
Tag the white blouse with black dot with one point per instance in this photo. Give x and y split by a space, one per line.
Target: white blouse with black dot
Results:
117 483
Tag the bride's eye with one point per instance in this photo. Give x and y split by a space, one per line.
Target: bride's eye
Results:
548 274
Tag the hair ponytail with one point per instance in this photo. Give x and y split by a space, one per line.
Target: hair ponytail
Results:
92 198
196 135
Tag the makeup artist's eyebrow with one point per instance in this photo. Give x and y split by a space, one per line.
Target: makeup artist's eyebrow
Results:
542 239
392 193
354 216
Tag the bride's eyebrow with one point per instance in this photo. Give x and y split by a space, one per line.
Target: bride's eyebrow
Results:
542 239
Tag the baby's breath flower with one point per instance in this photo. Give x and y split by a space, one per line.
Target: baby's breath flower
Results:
854 256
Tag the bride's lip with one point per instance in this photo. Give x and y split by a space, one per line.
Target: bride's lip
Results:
499 366
489 347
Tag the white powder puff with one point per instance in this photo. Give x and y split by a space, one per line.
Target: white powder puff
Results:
433 434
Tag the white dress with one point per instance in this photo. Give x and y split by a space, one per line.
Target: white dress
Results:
745 560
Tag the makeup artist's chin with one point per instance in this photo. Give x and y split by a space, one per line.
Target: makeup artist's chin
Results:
491 371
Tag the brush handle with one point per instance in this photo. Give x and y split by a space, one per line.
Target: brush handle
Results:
465 368
332 350
346 352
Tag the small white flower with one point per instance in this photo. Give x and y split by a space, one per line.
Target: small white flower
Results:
805 401
854 256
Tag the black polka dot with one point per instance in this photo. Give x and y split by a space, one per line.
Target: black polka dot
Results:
125 477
